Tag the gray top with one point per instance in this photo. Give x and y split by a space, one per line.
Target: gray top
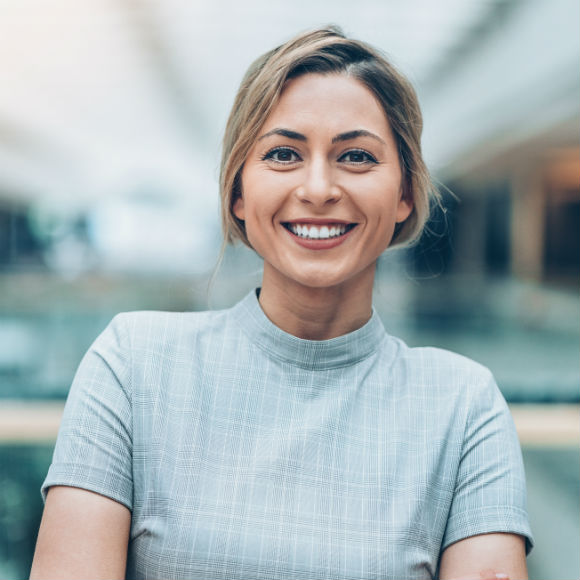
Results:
245 452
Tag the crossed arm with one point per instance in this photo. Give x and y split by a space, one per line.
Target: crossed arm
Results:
86 535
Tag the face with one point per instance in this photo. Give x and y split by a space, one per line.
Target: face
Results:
322 185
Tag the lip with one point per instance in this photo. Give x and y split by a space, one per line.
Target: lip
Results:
319 244
318 221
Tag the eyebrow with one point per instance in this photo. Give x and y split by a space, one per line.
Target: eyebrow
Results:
285 133
347 136
354 134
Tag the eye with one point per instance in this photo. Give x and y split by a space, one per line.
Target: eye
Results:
283 155
357 157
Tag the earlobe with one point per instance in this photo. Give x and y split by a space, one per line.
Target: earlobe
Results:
238 208
404 209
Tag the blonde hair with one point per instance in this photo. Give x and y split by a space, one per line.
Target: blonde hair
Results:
324 51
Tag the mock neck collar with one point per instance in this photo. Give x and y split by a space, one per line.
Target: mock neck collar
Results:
344 350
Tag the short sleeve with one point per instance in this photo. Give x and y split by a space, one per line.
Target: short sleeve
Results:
94 445
490 490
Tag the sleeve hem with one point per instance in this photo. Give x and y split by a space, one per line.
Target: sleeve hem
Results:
118 489
500 519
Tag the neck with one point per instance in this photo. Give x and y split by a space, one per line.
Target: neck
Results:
317 313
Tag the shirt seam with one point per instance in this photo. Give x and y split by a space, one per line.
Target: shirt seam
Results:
297 364
313 367
309 367
130 399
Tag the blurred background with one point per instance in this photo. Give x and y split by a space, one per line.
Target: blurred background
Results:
111 113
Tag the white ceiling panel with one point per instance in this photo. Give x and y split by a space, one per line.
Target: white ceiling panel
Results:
102 97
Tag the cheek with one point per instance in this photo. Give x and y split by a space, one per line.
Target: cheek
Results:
263 194
253 208
380 186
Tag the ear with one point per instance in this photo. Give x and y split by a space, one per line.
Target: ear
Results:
404 208
238 208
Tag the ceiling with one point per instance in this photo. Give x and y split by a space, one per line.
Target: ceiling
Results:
113 109
109 97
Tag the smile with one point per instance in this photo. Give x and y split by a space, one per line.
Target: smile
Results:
318 232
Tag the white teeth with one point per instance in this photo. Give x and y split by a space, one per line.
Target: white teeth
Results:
316 233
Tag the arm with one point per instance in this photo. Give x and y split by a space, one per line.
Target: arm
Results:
483 557
487 526
82 535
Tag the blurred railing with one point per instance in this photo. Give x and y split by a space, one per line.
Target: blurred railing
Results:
537 425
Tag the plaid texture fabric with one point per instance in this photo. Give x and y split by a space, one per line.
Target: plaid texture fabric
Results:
247 453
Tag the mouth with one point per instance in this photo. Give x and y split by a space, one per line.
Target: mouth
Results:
319 231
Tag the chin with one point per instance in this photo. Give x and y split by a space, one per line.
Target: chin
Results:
319 281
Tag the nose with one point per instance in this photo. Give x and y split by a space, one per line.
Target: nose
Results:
319 187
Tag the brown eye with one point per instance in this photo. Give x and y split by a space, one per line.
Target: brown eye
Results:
282 155
357 157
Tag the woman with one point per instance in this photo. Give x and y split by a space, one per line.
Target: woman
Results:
290 436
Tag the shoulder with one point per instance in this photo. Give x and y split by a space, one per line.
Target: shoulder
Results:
153 340
437 365
161 320
142 328
442 380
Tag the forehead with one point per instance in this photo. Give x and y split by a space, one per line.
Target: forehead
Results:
333 101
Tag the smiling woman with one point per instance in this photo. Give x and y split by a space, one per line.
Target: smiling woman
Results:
326 161
290 436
